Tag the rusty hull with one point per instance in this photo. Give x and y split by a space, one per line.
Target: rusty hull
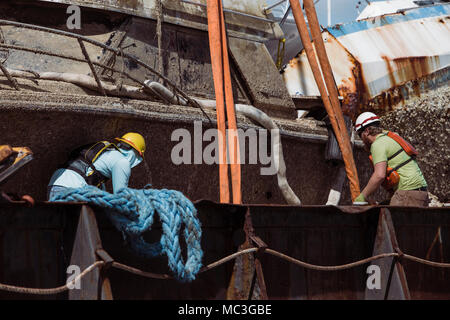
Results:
37 243
53 129
380 62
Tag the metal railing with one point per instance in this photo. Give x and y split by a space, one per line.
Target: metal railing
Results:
117 52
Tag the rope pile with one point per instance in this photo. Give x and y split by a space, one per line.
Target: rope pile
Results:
132 213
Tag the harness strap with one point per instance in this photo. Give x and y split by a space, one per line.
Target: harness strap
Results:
400 165
395 154
86 160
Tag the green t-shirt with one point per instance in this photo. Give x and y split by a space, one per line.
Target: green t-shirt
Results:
411 176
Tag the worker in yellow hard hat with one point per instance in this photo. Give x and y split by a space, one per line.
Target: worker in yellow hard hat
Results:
96 163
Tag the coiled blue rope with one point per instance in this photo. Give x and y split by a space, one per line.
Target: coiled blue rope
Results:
132 213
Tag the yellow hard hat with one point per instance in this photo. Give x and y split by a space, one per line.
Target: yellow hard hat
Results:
135 140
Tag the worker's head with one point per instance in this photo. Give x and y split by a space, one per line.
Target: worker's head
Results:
133 140
367 125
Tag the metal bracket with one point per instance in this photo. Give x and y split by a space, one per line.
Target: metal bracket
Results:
102 254
260 243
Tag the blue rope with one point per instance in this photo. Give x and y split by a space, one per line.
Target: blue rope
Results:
132 213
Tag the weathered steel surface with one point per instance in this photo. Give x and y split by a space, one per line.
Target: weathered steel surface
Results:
382 61
262 78
35 246
186 60
186 57
31 256
415 230
251 24
305 160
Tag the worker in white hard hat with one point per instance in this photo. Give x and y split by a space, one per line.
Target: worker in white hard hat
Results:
394 162
94 164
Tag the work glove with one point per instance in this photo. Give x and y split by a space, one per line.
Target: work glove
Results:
360 198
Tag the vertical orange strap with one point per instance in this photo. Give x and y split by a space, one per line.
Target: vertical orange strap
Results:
233 139
327 73
215 47
331 105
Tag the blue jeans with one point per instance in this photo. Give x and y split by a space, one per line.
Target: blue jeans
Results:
52 191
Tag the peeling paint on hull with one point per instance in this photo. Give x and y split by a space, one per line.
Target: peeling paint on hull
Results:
380 62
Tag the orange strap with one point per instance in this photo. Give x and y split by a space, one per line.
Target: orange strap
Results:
224 96
326 85
409 149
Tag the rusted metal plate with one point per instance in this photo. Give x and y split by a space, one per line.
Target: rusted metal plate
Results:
35 246
186 61
317 235
243 284
247 281
196 181
267 92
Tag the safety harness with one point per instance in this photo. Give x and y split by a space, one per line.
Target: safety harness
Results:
392 177
83 158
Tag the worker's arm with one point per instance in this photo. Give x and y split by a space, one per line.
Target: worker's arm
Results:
120 174
377 178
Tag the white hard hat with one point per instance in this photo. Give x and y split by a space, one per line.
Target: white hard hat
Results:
364 120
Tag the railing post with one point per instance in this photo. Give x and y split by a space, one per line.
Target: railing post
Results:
94 73
10 78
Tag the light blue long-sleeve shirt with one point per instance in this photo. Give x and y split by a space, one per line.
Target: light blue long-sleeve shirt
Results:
113 164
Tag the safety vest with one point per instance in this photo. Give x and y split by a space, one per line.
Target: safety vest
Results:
83 158
392 177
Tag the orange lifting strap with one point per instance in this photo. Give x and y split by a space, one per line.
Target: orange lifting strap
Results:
224 97
327 90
